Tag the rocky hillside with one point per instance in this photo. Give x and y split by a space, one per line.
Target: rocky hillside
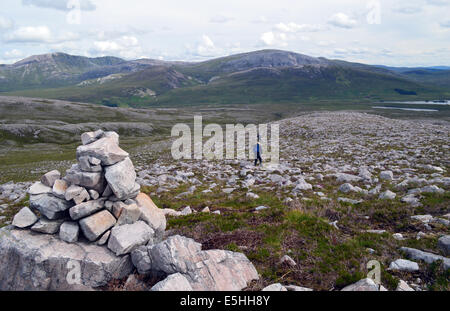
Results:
350 188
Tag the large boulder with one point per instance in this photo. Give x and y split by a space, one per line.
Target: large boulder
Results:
429 258
212 270
50 206
125 238
95 225
151 214
105 149
31 261
121 178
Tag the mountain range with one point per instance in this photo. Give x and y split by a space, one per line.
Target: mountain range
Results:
266 76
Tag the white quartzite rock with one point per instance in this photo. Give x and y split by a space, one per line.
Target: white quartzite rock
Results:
105 149
172 283
59 188
125 238
444 244
86 209
50 206
404 265
39 188
50 178
121 179
95 225
364 285
31 261
24 218
212 270
69 231
151 214
277 287
47 226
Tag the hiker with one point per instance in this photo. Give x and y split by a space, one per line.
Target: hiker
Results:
257 149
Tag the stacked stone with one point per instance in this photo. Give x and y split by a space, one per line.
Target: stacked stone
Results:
98 199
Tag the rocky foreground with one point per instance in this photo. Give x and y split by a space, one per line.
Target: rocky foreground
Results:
350 188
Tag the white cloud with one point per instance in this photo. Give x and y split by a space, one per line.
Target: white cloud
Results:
220 19
206 47
343 21
293 27
61 5
13 54
126 47
5 23
30 34
39 34
273 39
445 24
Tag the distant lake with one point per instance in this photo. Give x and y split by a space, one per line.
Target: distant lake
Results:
440 102
406 109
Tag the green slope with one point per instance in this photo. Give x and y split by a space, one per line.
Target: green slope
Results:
268 76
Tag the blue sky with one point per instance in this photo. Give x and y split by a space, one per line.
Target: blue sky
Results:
389 32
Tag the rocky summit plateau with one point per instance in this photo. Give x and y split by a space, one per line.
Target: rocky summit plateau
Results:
350 189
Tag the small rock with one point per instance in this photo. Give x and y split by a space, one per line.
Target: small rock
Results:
94 194
124 239
404 265
444 244
404 287
422 218
59 188
69 232
104 238
206 210
39 188
364 285
186 211
47 226
386 175
277 287
294 288
387 195
97 224
286 259
261 208
85 209
398 236
24 218
129 215
50 178
174 282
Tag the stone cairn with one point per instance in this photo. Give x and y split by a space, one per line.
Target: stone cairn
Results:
98 200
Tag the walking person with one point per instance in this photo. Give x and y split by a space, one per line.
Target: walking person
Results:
257 149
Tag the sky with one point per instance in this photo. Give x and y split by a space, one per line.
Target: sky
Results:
388 32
